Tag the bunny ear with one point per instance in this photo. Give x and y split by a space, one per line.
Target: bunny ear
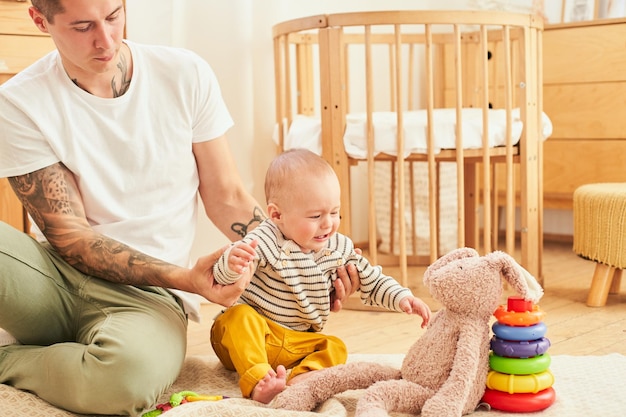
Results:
453 255
534 292
524 283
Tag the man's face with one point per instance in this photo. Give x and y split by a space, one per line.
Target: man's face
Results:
88 35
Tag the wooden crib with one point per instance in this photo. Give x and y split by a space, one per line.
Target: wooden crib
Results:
344 80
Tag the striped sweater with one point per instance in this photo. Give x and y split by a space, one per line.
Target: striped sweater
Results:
293 288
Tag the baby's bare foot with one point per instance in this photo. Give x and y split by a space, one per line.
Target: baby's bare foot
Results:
300 377
272 384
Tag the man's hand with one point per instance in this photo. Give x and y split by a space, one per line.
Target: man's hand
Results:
225 295
346 284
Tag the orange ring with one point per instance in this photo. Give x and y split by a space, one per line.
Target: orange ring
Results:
519 319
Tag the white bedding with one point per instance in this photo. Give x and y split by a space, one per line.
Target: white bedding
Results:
305 131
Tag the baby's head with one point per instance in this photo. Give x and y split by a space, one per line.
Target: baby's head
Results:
303 198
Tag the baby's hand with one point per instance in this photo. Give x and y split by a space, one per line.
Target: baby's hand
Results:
241 255
413 305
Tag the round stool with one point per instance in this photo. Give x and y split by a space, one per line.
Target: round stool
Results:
600 235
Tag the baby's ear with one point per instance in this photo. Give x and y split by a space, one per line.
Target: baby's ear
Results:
274 212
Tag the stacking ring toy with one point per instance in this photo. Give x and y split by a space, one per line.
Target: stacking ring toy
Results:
519 318
519 383
520 403
517 366
533 332
519 349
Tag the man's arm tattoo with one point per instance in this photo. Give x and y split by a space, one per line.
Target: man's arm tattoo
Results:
42 194
47 197
242 229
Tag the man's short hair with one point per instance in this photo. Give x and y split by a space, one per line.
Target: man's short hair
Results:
48 8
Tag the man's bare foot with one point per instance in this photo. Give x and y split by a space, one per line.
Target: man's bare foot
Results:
272 384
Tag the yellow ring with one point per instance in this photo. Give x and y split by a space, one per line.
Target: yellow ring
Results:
514 384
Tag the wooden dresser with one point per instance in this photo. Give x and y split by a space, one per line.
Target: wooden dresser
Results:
585 97
21 43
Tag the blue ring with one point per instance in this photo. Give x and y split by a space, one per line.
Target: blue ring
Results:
519 349
534 332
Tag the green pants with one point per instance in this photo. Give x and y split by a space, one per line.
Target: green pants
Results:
87 345
251 344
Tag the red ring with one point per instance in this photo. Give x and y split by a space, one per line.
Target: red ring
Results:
520 402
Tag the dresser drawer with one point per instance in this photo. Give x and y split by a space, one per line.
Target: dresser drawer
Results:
586 110
18 52
571 163
14 19
585 54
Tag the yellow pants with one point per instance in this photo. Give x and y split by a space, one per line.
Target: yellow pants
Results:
251 344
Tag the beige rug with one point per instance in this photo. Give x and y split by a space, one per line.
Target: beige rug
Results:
585 386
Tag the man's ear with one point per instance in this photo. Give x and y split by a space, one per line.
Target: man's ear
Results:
38 18
274 213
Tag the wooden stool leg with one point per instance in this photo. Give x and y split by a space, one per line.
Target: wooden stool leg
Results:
600 285
617 280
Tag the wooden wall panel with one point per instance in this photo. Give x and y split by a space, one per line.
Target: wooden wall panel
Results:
18 52
14 18
11 211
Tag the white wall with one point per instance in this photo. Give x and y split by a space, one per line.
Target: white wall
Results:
234 36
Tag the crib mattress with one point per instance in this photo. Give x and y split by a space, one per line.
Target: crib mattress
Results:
305 131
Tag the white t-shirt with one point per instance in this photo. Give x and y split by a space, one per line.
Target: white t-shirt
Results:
131 155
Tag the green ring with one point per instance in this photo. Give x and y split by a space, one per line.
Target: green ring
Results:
520 366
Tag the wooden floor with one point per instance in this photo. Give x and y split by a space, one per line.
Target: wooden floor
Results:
573 328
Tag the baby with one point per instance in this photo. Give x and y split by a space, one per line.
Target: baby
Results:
277 321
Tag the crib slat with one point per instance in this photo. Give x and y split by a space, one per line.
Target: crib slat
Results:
412 106
486 166
530 147
400 152
411 77
287 85
460 151
413 208
333 114
280 96
510 184
433 192
538 35
304 79
393 85
371 183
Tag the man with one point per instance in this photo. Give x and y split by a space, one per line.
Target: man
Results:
107 144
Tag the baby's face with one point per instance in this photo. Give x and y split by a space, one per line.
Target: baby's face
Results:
311 216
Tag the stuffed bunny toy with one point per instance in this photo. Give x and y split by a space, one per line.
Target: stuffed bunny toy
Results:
444 373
